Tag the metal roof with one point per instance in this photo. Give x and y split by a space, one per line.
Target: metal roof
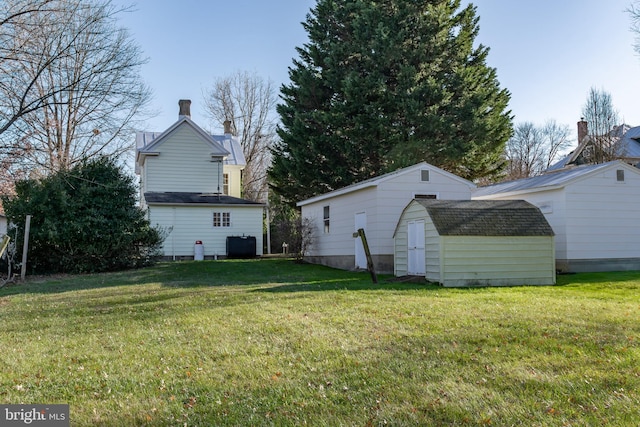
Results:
546 181
373 182
232 145
486 218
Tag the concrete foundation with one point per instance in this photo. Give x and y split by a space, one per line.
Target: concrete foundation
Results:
383 264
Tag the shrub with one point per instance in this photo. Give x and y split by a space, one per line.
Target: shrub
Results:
83 220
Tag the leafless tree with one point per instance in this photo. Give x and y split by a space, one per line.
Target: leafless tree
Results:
634 13
248 102
557 138
18 51
601 118
532 149
74 90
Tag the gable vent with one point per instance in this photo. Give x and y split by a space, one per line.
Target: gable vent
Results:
424 175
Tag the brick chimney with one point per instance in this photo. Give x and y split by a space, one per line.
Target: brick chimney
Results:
583 130
185 108
227 127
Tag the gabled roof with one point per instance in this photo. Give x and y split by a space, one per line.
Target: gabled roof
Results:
486 218
226 146
154 140
184 198
627 147
374 182
549 181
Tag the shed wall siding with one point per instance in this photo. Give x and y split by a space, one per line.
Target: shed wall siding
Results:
415 212
342 209
383 205
602 217
191 223
553 205
595 220
184 164
489 260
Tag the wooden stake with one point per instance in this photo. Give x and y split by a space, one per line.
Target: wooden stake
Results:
370 266
25 247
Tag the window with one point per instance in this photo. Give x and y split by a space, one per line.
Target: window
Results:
222 219
326 219
424 175
225 184
620 175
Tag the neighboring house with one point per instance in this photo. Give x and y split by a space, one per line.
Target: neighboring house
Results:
190 184
623 141
375 206
593 210
474 243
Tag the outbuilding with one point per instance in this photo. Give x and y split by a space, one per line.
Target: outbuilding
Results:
593 210
475 243
373 205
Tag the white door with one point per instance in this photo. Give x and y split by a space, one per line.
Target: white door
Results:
361 258
415 249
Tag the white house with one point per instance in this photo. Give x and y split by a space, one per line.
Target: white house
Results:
474 242
190 184
593 210
375 206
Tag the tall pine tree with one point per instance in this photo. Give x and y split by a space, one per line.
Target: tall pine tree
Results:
383 85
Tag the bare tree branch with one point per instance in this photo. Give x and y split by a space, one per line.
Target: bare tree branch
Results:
248 102
532 149
70 84
601 119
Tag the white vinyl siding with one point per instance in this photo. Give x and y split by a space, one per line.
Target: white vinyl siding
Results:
383 203
188 224
184 164
602 217
594 217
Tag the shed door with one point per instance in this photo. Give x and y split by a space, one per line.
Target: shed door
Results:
361 258
415 252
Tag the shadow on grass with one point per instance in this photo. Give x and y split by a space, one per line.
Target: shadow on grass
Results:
348 285
268 274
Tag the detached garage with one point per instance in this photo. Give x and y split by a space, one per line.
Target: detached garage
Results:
475 243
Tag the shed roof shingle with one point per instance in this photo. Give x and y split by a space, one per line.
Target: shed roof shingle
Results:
486 218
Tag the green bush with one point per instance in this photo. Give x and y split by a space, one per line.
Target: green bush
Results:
82 220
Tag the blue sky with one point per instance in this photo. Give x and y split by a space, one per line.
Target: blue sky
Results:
547 53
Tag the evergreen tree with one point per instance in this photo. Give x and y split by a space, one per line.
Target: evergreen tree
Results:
83 220
383 85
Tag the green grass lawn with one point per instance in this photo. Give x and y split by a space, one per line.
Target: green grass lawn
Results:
271 342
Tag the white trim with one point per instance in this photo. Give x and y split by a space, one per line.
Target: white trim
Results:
374 182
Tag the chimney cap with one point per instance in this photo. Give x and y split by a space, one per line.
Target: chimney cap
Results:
185 108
